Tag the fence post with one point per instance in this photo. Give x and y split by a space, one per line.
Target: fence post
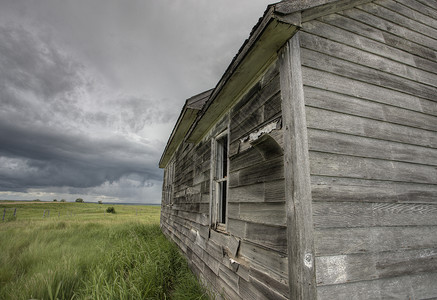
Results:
44 214
48 213
59 214
15 212
4 213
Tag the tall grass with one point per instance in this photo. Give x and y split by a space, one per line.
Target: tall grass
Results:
108 256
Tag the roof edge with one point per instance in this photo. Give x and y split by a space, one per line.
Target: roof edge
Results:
269 22
187 116
312 9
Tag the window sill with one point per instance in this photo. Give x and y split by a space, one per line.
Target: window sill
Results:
221 228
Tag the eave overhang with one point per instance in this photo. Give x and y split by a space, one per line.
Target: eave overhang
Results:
278 24
257 53
188 115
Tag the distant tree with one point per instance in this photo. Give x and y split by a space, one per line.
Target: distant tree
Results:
54 200
80 200
37 200
100 202
63 200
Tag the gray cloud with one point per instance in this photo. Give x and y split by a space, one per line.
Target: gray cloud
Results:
89 91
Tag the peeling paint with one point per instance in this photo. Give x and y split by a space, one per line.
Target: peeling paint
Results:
247 141
308 260
266 129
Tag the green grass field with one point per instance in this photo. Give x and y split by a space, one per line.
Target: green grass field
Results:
78 251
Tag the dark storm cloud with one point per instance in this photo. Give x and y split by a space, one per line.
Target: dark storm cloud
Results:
28 64
46 137
50 158
90 90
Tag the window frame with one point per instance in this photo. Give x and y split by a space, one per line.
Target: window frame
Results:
220 178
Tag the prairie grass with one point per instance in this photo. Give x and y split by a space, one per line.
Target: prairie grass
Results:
81 252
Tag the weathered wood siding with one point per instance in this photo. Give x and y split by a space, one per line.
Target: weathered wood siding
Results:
250 260
370 78
184 212
256 214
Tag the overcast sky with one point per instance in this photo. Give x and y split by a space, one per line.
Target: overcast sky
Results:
91 89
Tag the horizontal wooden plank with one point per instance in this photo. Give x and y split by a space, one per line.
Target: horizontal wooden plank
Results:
252 120
270 170
249 193
349 189
413 10
388 26
353 214
278 286
333 48
271 237
429 3
266 287
320 61
230 277
266 213
358 89
202 219
274 191
241 113
357 267
369 109
401 20
339 143
368 168
192 207
272 107
245 159
247 291
353 125
367 44
265 260
342 241
420 286
367 30
236 227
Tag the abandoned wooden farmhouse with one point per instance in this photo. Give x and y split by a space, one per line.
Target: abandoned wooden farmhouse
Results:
310 170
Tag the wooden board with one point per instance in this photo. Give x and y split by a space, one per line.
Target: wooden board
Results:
354 125
297 175
351 145
344 241
356 55
337 34
369 109
334 165
317 60
350 268
420 286
351 214
416 20
389 26
385 37
365 190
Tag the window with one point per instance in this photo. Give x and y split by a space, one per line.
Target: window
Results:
220 179
168 184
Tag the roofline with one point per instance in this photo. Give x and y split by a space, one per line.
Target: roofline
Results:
279 23
188 114
270 24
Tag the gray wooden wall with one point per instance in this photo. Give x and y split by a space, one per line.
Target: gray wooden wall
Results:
370 78
250 262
